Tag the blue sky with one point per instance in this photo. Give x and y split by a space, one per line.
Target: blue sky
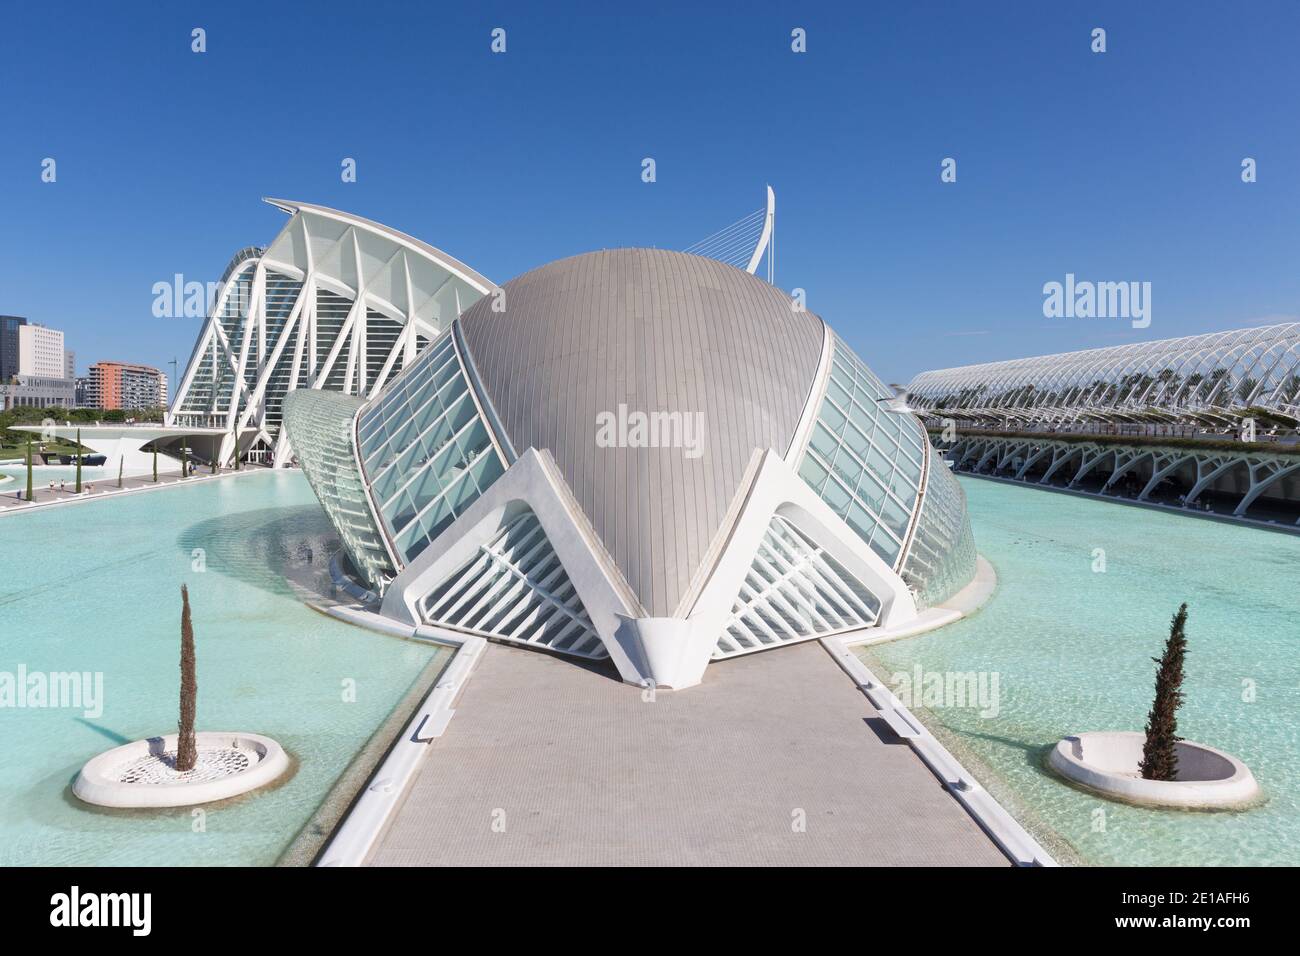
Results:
1116 166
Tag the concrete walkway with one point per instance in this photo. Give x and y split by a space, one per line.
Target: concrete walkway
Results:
547 762
13 494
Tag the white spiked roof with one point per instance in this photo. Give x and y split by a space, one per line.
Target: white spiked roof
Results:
401 275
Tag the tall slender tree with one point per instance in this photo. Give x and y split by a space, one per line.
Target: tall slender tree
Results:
186 746
79 461
1159 759
121 463
29 467
155 465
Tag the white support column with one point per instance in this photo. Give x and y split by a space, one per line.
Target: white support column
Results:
1091 456
1275 470
1209 469
408 333
1061 454
255 305
1031 460
1125 459
344 337
1161 467
256 402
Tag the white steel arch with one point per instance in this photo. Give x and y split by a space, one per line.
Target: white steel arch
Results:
745 242
335 302
1199 378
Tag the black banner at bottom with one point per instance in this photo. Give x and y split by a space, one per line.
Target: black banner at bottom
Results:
335 906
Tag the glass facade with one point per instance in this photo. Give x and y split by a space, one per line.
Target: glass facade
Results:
426 453
320 426
941 560
9 326
864 461
206 402
215 383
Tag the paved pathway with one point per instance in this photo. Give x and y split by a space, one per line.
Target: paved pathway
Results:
574 768
13 494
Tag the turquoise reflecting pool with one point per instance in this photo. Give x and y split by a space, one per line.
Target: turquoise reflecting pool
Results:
1072 646
94 587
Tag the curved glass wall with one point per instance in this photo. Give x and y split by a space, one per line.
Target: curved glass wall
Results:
320 426
1190 377
426 452
864 461
941 560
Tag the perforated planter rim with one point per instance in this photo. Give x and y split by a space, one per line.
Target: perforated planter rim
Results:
1107 762
143 774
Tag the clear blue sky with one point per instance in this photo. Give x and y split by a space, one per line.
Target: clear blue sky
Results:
1119 166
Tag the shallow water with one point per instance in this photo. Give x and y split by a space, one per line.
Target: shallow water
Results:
1072 649
95 588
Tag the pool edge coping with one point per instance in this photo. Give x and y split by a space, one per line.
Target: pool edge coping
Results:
368 815
1013 839
29 507
963 604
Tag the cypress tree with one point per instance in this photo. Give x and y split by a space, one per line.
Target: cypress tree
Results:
120 463
78 461
1159 761
186 745
29 467
155 465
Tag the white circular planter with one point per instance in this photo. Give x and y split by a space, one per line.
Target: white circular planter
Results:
143 773
1107 762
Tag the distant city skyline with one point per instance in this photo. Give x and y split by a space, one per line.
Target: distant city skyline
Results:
1117 167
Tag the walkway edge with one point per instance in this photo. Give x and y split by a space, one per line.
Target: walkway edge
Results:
1010 837
365 822
28 507
962 604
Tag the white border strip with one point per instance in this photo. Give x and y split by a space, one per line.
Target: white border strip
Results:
360 830
1010 837
28 507
962 604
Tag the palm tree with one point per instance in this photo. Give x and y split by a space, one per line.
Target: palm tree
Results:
1159 761
186 745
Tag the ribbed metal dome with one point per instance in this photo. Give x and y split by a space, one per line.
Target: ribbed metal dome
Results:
608 335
